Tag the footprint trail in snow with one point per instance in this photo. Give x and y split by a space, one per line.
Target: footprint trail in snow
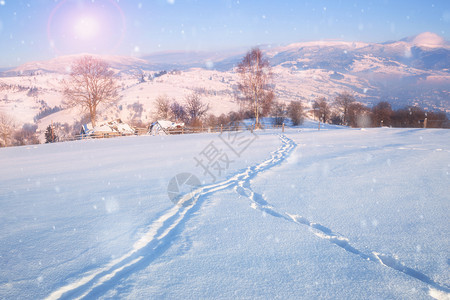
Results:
160 234
243 188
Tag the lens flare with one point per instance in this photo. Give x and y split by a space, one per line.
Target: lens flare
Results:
86 26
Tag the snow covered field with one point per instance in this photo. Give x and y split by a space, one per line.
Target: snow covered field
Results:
337 213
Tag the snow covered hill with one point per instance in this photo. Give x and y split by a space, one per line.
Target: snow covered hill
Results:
413 71
62 64
337 213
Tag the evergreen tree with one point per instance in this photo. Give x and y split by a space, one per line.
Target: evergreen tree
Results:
50 135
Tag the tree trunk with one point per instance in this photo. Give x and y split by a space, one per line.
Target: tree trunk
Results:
93 115
256 114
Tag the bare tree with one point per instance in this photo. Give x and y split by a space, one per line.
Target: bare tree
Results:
382 113
178 111
211 120
436 119
267 103
321 109
163 111
359 115
342 103
26 135
256 81
278 113
223 119
6 130
195 109
90 84
295 112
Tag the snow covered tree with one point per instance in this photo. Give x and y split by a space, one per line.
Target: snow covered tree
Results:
256 82
90 84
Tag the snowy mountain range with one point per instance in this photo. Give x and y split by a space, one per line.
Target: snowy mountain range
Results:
414 70
426 51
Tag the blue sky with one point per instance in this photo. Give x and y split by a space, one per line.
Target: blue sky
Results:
41 29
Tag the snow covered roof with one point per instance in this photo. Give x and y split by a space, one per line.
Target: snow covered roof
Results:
165 124
116 126
161 127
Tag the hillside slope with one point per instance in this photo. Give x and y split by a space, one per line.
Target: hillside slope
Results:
332 214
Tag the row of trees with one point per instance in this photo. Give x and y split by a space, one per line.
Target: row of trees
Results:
194 112
411 116
345 110
191 113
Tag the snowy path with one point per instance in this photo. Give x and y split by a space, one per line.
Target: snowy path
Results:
160 234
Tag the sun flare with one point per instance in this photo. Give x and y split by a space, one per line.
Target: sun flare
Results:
86 28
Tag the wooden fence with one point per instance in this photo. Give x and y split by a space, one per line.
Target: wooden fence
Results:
183 130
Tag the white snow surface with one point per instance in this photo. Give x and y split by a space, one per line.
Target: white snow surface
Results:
337 213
